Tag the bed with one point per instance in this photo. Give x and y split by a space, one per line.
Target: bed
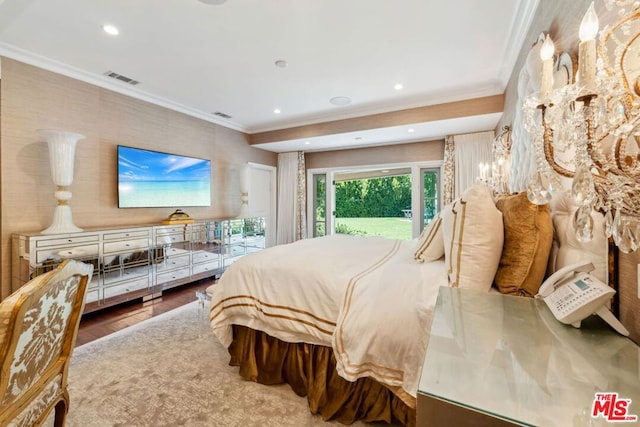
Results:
345 319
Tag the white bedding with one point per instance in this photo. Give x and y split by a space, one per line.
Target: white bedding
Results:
365 296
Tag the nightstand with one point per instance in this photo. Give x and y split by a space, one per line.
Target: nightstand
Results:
498 360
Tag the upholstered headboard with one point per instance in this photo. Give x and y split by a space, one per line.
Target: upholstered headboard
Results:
566 248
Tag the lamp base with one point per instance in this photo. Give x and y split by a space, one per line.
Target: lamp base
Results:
62 222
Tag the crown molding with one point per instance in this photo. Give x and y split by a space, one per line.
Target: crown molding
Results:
519 29
105 82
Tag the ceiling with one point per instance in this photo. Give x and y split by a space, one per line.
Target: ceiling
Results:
201 58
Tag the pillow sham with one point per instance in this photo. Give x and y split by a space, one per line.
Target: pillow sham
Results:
430 243
473 236
528 236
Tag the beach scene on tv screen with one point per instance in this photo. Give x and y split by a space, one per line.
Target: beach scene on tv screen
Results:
154 179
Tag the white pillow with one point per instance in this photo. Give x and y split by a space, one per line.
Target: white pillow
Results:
430 243
473 235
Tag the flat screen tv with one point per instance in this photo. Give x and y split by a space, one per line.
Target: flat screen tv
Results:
151 179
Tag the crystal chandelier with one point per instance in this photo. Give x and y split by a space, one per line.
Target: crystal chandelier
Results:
589 131
495 176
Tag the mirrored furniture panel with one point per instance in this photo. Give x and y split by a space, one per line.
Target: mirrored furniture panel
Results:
139 262
497 360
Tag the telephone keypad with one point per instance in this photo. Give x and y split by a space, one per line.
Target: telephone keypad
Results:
566 300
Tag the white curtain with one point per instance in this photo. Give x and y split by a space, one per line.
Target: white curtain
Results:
469 151
291 220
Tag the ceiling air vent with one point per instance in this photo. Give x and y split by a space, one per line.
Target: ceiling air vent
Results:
223 115
121 78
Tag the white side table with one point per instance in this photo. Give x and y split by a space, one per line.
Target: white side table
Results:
502 360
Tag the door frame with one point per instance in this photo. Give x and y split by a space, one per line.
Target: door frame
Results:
330 202
270 221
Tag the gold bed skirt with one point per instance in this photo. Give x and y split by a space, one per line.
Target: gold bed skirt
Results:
310 370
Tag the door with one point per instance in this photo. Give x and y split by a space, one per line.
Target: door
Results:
262 198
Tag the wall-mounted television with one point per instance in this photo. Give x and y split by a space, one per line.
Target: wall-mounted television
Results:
152 179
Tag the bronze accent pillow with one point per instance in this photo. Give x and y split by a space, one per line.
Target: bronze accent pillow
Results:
528 236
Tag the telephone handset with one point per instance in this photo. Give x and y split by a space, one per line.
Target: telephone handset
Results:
572 294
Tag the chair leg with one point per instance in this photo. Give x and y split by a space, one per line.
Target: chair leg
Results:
62 407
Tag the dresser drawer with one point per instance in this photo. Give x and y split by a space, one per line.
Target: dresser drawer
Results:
236 238
207 267
76 252
130 286
234 251
173 262
171 230
204 256
92 295
172 275
66 241
123 235
115 274
125 246
167 239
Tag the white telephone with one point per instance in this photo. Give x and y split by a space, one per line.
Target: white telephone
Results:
572 294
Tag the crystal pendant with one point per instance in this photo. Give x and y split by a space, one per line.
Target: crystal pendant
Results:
616 113
600 110
540 190
583 223
582 188
608 224
622 235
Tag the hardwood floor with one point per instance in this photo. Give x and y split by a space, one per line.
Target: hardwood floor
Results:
104 322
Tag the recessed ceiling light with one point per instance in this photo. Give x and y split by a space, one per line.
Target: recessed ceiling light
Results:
110 29
215 2
276 111
307 143
384 171
411 130
281 63
398 86
340 100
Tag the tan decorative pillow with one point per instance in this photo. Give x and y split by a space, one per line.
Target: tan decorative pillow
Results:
528 236
472 232
430 243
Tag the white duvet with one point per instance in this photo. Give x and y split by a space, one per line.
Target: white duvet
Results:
365 296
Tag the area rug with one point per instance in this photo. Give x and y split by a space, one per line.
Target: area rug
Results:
170 370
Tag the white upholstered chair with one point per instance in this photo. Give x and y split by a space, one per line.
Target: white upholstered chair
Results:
38 327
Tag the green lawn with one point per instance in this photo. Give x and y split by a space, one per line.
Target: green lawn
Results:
394 227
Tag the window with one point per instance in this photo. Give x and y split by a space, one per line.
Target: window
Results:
374 200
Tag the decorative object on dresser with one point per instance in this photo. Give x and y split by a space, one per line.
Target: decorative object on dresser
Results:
178 217
141 261
38 327
594 122
62 147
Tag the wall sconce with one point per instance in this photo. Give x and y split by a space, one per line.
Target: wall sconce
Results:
62 146
244 191
495 176
597 121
